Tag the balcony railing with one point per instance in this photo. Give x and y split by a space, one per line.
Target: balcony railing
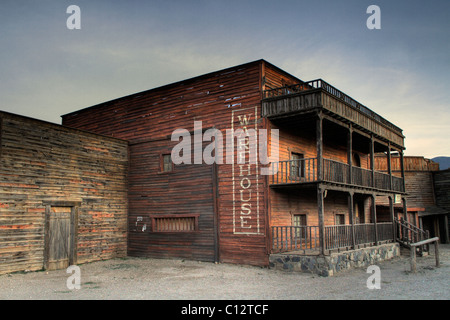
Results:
337 237
306 171
341 236
295 238
337 94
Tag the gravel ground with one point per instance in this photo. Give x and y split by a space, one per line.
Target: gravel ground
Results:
155 279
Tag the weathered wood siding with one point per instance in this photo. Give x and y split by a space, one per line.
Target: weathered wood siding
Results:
442 188
442 191
154 193
42 163
419 189
275 78
418 179
225 99
410 164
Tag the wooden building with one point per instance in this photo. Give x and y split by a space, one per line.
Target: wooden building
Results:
63 195
423 210
441 180
319 197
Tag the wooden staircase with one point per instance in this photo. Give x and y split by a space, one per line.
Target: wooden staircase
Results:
408 234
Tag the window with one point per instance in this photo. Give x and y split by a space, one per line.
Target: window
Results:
166 163
175 223
297 165
340 219
356 160
299 220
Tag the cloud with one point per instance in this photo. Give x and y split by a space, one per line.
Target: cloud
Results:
126 48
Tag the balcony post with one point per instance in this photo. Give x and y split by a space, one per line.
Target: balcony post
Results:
389 165
352 218
320 210
405 209
372 159
349 153
319 145
391 211
402 168
374 218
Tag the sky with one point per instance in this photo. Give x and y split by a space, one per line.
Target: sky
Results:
400 71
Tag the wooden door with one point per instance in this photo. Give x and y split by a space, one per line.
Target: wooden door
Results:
59 238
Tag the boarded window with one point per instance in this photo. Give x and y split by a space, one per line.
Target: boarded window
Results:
175 223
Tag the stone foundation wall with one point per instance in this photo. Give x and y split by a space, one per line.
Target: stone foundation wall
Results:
336 262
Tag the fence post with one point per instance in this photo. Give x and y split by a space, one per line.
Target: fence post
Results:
320 209
413 259
391 210
352 219
436 252
374 214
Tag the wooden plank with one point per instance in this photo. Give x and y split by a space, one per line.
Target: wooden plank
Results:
426 241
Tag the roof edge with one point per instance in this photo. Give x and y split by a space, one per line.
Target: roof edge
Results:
166 86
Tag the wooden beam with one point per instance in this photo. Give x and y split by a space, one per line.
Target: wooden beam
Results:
392 214
402 168
320 211
319 145
421 243
372 159
349 153
374 218
389 165
351 215
215 185
405 209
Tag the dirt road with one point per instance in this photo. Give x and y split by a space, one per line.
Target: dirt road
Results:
134 278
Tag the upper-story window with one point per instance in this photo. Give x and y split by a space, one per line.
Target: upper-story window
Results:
297 165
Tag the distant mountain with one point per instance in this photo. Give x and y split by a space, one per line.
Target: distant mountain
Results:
444 162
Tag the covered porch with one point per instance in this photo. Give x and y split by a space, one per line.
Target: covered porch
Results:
323 219
305 240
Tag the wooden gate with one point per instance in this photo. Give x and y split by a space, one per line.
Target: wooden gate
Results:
59 238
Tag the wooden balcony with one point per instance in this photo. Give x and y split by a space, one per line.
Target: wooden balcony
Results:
318 94
304 171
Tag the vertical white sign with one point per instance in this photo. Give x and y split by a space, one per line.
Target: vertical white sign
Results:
245 174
